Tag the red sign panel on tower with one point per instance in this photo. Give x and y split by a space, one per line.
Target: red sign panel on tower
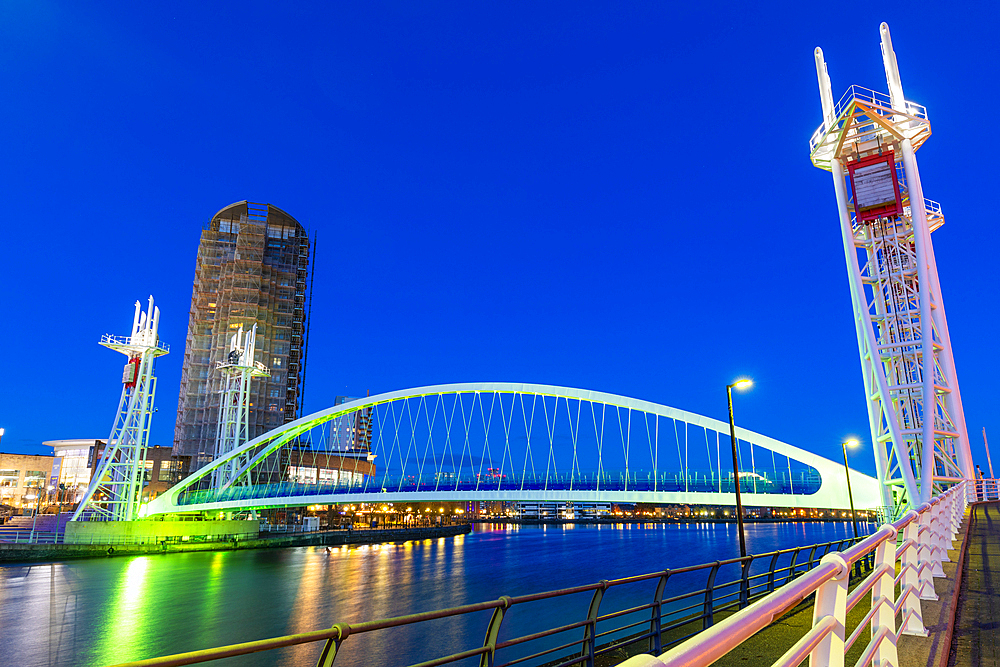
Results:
875 188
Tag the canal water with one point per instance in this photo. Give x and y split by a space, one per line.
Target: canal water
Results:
110 610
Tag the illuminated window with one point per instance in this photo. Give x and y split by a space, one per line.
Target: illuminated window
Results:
170 471
302 475
34 478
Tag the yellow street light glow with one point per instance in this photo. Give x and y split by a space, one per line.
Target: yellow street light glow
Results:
743 384
851 443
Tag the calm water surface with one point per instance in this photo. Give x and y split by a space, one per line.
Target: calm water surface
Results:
110 610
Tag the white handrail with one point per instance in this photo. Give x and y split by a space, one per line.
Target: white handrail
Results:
926 535
983 489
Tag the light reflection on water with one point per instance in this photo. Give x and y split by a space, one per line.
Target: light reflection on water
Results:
103 611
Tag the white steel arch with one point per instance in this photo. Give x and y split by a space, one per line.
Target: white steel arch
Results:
513 441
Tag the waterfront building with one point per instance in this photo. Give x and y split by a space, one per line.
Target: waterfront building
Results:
251 268
24 479
341 469
563 510
74 459
74 463
353 435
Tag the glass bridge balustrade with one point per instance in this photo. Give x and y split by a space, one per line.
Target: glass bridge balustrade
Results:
804 482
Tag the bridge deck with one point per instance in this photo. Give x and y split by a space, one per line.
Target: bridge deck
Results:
977 625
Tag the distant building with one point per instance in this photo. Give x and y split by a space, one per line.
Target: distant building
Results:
326 469
24 480
252 265
353 434
75 462
563 510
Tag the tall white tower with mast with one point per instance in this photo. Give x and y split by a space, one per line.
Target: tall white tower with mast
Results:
115 490
238 369
868 140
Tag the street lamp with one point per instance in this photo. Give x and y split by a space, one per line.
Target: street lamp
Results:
739 384
852 443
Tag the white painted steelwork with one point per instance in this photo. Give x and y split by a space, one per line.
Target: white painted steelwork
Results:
508 441
115 490
914 405
927 534
238 371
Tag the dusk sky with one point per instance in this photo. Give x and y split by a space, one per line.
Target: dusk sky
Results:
611 196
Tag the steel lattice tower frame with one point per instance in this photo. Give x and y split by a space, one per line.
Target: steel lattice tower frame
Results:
238 369
115 490
914 404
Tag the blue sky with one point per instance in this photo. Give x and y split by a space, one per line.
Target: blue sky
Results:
608 196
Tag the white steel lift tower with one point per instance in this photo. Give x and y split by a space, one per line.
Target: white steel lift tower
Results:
115 490
867 140
238 370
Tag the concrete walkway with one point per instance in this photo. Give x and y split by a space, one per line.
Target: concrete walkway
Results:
976 639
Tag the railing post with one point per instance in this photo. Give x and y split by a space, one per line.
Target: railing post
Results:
925 556
707 613
590 631
329 653
951 509
831 601
811 563
884 595
656 623
770 573
745 581
938 552
493 631
913 620
959 504
791 566
943 531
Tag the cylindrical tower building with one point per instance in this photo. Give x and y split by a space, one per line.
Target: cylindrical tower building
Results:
252 265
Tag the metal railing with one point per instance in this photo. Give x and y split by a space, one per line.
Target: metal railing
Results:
983 489
701 595
54 537
926 536
168 539
111 339
801 483
878 100
28 536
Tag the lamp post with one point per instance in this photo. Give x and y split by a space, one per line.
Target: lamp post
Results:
739 384
847 470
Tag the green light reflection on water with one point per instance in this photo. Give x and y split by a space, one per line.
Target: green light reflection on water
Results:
120 639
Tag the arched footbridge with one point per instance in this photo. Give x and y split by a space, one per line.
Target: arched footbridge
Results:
510 442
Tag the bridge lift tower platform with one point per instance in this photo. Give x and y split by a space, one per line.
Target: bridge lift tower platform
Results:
115 490
868 140
238 370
